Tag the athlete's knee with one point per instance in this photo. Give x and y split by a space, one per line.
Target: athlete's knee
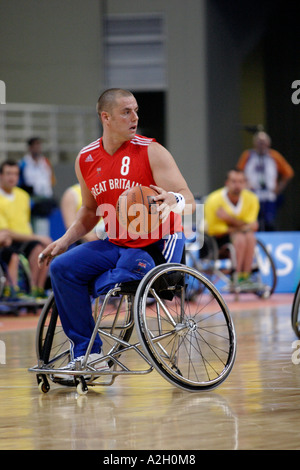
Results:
138 263
57 267
239 240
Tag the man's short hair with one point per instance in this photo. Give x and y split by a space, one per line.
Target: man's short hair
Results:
108 98
9 162
236 170
33 140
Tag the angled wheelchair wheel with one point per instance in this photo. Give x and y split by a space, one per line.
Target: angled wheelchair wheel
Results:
295 313
264 271
53 347
189 339
24 275
2 280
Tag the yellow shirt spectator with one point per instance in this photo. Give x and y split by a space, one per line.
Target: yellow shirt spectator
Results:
15 211
245 210
70 204
77 191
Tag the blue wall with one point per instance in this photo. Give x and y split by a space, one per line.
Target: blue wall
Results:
285 250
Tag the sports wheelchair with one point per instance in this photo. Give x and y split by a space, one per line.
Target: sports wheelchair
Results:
12 305
219 265
185 333
295 312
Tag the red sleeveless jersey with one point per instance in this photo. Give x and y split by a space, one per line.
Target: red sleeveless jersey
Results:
108 176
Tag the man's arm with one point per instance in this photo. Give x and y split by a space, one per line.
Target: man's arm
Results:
168 179
84 222
24 238
234 224
86 217
14 236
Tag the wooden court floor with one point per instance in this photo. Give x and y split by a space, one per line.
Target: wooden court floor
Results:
257 407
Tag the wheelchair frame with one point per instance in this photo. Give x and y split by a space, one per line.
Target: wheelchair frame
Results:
189 338
295 311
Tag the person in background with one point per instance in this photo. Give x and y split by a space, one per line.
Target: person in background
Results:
37 178
231 217
268 174
70 204
15 219
36 172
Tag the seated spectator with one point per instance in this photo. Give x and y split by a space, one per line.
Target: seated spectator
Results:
71 202
231 216
15 219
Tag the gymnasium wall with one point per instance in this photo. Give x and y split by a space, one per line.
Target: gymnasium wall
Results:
52 52
224 67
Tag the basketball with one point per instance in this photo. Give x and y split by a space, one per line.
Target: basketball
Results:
137 212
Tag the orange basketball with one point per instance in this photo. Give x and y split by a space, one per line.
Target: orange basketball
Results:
137 212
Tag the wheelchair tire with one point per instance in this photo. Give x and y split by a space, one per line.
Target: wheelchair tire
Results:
24 275
263 257
189 340
2 280
52 345
295 313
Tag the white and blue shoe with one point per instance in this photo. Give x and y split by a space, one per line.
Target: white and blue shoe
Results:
101 366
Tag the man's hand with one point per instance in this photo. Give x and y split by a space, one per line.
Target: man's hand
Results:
54 249
166 201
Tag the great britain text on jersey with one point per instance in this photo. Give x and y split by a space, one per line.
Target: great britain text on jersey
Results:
112 183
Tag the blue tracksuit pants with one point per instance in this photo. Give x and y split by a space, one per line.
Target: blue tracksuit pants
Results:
102 264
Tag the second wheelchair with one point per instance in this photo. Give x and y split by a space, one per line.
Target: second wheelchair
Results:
219 265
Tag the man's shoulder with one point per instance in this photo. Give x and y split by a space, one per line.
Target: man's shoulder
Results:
250 195
91 147
21 193
216 194
18 194
142 140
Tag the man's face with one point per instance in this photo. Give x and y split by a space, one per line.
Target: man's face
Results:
123 118
36 148
235 183
262 144
9 177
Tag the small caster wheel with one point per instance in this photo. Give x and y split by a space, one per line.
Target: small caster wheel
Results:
81 385
81 389
266 294
43 387
43 383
